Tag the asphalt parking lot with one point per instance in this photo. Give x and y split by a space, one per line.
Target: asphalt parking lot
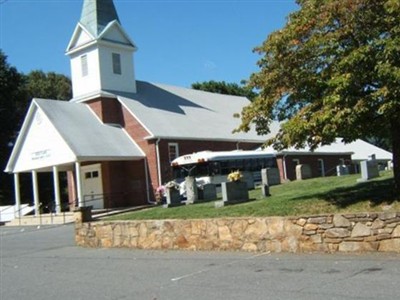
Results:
43 263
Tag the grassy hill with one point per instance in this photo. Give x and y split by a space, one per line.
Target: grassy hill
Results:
308 197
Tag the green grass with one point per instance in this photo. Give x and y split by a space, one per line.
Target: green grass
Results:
308 197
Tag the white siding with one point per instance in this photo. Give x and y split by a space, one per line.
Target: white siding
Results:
43 146
82 39
118 82
82 85
114 34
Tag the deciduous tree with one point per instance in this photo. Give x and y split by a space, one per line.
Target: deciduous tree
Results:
332 71
48 85
10 93
222 87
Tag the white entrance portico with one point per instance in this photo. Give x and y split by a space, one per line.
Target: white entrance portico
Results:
60 136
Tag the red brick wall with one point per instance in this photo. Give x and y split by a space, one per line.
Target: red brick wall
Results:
138 133
108 110
71 188
123 183
279 162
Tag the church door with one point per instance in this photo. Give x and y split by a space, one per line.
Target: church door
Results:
92 186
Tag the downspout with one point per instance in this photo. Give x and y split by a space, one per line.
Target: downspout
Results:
146 172
158 162
237 145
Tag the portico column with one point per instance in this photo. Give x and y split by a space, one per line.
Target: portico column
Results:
17 195
57 196
35 192
79 183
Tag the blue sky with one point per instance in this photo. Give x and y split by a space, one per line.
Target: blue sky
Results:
180 42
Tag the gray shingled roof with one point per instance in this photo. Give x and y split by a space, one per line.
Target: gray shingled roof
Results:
97 14
85 134
182 113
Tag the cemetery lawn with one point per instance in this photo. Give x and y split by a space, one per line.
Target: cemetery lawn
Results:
307 197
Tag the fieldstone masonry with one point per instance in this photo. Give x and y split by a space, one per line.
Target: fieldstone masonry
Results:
322 233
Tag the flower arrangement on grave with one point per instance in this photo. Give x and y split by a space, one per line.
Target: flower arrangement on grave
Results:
161 191
172 185
160 194
235 176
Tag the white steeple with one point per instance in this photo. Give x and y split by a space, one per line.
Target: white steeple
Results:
101 52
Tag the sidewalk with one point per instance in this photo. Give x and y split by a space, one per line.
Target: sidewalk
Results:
43 219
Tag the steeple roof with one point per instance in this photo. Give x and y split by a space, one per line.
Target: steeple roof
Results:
97 14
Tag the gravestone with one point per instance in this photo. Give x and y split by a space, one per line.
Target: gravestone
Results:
207 192
342 170
191 190
248 178
369 169
173 197
234 191
270 176
265 190
303 172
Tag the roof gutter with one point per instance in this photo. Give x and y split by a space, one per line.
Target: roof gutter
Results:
179 138
313 153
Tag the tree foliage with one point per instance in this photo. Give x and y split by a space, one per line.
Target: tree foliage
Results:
10 92
48 86
332 71
221 87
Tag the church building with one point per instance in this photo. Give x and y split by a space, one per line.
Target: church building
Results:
117 136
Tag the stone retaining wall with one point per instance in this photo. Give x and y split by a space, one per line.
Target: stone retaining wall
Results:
322 233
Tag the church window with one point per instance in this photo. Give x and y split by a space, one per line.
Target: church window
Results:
116 61
84 65
173 151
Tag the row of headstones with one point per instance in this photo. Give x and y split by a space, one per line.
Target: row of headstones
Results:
303 171
232 192
369 169
193 193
